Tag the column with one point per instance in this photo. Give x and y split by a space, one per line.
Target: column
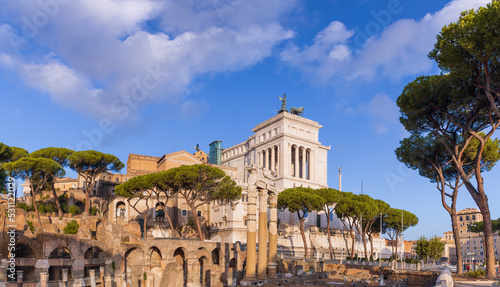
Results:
264 158
20 276
65 277
260 158
296 162
109 281
311 164
44 277
308 164
272 165
262 261
101 273
273 234
92 277
303 162
251 235
278 162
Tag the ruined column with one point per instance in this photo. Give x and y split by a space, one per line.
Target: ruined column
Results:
92 277
101 273
44 277
19 274
273 234
251 234
262 261
109 281
65 277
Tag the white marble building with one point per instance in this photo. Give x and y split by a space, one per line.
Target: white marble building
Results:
287 148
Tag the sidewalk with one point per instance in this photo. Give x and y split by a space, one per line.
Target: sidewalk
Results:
474 283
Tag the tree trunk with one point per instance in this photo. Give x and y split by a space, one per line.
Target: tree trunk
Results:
87 202
170 219
301 220
364 244
481 201
329 235
489 251
353 238
198 225
36 209
146 220
370 237
54 193
456 236
397 235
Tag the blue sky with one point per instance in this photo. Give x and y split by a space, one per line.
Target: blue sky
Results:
154 77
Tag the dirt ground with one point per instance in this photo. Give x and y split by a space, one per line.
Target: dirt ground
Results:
358 277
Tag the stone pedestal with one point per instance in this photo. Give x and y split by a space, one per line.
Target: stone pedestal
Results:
418 266
262 260
273 235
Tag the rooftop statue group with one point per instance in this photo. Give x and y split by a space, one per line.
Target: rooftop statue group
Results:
295 111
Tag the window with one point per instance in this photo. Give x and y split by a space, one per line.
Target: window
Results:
64 186
461 219
184 213
482 253
467 217
473 217
74 185
495 240
198 213
116 179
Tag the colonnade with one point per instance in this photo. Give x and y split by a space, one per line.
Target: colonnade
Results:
301 159
300 162
265 266
269 158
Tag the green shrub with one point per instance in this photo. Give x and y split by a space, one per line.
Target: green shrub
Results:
93 211
71 228
74 209
25 206
30 225
41 208
62 198
64 207
49 208
476 273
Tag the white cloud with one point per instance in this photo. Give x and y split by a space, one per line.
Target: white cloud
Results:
89 54
400 50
